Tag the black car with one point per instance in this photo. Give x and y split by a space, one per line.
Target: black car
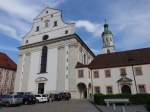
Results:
65 96
0 99
28 98
55 97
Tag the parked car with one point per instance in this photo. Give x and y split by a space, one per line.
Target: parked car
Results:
0 99
28 98
13 99
55 97
65 96
41 98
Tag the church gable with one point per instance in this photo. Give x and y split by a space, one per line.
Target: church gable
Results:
49 22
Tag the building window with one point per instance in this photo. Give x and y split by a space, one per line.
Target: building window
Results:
55 23
46 23
66 32
138 71
89 75
123 72
142 89
97 89
45 37
26 41
44 59
80 74
107 73
37 28
109 90
96 74
84 58
108 51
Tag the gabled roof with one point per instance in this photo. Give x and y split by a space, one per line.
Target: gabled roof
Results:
51 10
124 58
6 62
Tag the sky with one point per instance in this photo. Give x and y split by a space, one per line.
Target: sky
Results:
129 20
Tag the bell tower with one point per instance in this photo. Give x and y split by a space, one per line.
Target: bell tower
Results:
107 39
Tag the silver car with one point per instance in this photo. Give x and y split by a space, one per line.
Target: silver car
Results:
9 100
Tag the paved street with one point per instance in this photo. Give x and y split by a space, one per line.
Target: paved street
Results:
62 106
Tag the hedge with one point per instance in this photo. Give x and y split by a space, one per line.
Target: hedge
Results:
136 99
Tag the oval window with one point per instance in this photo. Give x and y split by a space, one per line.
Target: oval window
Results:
45 37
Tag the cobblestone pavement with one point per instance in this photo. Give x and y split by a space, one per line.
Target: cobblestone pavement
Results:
62 106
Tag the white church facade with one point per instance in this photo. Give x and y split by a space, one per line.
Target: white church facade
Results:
53 59
48 55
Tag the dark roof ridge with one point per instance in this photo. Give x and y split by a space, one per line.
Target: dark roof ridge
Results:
126 51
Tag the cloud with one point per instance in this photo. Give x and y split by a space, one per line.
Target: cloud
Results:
9 31
17 15
94 28
8 48
131 21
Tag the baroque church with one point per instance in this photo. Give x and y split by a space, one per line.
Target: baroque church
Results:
53 59
48 55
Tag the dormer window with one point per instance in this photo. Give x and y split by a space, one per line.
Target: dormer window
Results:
55 23
46 23
37 28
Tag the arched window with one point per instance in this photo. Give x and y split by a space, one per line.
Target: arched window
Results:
43 60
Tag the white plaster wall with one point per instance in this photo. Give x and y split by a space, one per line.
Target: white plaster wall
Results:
52 70
18 75
86 80
103 82
36 36
145 78
34 70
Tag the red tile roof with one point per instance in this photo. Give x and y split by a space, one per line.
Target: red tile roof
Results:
124 58
6 62
80 65
118 59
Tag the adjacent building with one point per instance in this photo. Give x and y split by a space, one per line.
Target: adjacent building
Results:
48 55
113 72
7 74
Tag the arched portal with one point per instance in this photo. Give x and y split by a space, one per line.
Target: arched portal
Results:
126 89
82 90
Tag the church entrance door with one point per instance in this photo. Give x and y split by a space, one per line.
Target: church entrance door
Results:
126 89
40 88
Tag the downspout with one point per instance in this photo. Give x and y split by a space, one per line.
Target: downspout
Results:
134 79
92 83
